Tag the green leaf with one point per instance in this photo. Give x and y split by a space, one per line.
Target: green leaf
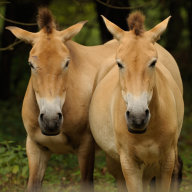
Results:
24 171
15 169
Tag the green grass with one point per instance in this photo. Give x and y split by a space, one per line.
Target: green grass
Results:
62 173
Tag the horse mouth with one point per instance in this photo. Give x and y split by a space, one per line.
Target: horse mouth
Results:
50 133
137 131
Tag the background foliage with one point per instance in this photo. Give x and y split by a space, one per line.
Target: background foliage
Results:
63 173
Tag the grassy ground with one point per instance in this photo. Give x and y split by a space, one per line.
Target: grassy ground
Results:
62 174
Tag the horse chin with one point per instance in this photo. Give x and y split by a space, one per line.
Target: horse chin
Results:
137 131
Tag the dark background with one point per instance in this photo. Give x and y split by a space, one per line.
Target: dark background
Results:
15 73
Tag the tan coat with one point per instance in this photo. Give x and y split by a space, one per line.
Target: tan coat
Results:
154 152
64 75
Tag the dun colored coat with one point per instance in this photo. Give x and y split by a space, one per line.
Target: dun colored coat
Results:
136 112
56 103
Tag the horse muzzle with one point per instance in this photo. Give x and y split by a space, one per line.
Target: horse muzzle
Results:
137 123
50 124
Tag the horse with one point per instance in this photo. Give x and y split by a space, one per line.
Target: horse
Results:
56 103
137 109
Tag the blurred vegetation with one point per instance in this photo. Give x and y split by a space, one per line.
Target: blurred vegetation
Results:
63 171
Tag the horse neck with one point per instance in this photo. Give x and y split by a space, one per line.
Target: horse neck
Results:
155 101
30 103
85 66
154 104
80 83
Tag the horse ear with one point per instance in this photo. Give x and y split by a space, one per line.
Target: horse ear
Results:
22 34
116 31
70 32
156 32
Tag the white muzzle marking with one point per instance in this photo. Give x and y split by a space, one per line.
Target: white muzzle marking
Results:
137 114
50 118
50 106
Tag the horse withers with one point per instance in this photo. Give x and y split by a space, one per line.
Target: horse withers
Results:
55 106
136 112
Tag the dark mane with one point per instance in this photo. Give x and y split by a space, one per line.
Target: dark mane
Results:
136 22
45 20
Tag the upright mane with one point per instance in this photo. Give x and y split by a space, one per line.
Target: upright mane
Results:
45 20
136 22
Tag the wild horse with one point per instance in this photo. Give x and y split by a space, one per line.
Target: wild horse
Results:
136 112
56 103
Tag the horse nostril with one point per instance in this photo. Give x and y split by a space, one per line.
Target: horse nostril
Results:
41 116
127 113
147 112
60 116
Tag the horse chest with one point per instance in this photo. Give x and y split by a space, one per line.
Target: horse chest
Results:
147 151
56 144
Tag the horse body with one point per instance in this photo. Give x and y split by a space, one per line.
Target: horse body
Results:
75 135
142 153
56 103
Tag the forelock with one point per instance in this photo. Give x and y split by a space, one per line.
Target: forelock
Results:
45 20
136 22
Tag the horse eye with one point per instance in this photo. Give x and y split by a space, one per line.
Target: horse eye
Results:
31 65
67 63
120 65
153 63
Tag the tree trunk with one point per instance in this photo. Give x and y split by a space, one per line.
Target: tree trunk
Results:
189 10
174 30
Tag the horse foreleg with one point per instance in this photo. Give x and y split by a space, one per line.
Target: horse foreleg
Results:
177 175
115 169
163 180
37 159
86 157
153 185
132 172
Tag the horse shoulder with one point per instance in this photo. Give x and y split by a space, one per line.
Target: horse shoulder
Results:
30 109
